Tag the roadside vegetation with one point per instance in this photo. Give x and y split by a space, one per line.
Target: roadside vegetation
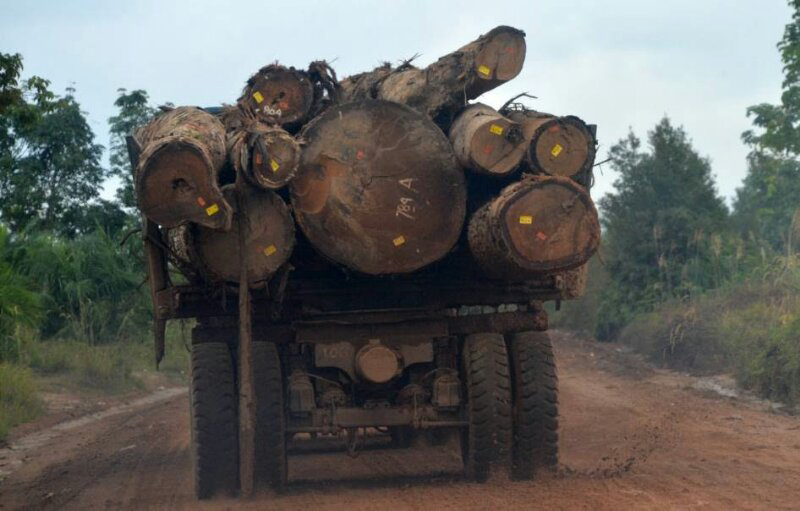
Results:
689 282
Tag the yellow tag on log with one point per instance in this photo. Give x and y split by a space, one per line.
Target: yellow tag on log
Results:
270 250
496 129
258 97
399 241
212 209
556 150
526 219
485 71
274 165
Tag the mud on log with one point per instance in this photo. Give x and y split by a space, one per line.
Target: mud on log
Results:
267 156
183 151
378 189
486 142
559 146
279 95
444 87
538 225
214 255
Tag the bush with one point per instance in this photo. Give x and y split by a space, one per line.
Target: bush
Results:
18 402
751 328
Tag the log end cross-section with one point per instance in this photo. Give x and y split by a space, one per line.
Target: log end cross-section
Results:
378 189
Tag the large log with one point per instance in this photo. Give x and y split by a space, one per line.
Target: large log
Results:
444 87
267 156
279 95
536 226
486 142
559 146
214 255
183 151
378 189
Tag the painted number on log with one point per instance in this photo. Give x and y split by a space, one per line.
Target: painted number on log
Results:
406 208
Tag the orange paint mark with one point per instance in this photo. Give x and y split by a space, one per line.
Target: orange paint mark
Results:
542 236
487 149
201 201
283 105
360 154
259 159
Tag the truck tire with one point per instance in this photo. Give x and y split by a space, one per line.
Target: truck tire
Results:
215 426
270 436
487 439
535 392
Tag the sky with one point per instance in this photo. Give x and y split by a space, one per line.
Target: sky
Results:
620 64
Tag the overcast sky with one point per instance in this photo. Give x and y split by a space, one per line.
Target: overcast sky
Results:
618 63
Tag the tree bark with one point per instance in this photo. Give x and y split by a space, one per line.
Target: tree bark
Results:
267 156
558 146
214 255
486 142
279 95
378 189
444 87
537 226
183 151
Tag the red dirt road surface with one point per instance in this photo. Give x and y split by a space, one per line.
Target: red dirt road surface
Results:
632 438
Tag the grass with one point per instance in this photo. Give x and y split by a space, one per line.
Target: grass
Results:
106 369
18 401
751 329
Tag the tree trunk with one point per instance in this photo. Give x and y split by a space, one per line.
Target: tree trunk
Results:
266 156
378 189
486 142
444 87
183 151
214 255
279 95
536 226
559 146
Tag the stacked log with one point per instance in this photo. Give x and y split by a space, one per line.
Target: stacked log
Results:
487 142
558 146
374 167
214 254
444 87
536 226
182 153
267 156
378 189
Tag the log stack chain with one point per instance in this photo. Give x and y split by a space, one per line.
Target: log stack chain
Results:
384 172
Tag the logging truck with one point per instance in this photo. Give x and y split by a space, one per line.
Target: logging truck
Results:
367 255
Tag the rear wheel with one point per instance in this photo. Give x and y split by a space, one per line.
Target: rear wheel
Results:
215 441
535 391
270 436
487 438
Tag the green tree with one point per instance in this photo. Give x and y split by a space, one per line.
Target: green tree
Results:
134 110
770 195
49 162
656 223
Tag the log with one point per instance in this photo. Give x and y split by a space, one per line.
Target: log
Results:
486 142
378 189
267 156
559 146
279 95
183 151
444 87
572 283
214 255
537 226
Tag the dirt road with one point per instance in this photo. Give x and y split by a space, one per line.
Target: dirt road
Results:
632 438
